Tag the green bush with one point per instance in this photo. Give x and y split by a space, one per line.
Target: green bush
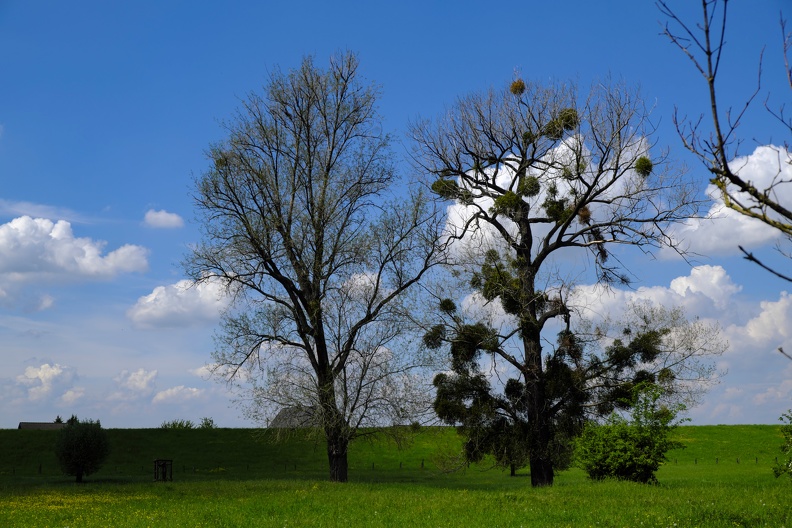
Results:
178 424
784 467
81 448
630 450
207 423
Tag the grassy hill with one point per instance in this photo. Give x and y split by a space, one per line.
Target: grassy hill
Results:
256 454
242 477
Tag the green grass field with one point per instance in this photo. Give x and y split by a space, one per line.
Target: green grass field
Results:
238 477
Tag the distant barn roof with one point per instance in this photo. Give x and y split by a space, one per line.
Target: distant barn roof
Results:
295 417
41 426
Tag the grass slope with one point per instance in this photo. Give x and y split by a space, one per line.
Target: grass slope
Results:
241 479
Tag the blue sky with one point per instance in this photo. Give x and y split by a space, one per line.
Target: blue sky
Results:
107 108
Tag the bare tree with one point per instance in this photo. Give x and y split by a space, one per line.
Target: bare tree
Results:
302 222
704 45
541 178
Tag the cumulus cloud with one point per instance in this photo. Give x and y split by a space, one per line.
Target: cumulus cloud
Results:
46 380
141 380
708 291
132 386
35 249
772 324
184 303
180 394
71 396
755 390
162 219
724 229
780 392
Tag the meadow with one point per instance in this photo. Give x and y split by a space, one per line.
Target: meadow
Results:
243 477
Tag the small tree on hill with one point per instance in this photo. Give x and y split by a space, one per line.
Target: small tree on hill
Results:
82 447
784 467
634 449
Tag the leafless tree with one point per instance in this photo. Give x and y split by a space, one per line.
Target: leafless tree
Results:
704 45
304 225
539 174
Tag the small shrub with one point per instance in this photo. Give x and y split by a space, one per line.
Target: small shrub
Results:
81 448
630 450
178 424
784 467
207 423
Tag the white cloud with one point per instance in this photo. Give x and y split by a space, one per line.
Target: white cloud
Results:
132 386
39 249
710 281
780 392
178 394
162 219
758 386
772 324
71 396
45 380
725 229
708 291
35 210
204 372
182 304
141 380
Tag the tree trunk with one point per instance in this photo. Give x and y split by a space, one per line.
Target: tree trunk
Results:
541 471
513 470
337 446
540 437
79 476
335 429
541 464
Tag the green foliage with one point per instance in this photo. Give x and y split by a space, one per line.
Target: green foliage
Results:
784 466
643 166
178 424
447 306
557 209
528 186
207 423
448 189
567 119
81 448
508 204
434 338
630 450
